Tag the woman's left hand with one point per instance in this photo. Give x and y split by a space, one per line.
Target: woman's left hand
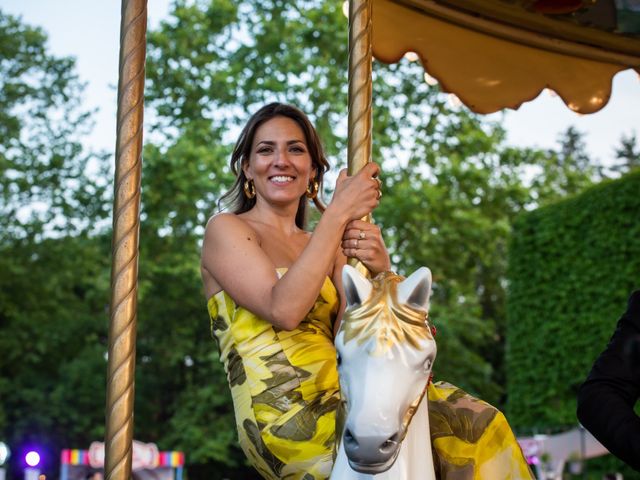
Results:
363 240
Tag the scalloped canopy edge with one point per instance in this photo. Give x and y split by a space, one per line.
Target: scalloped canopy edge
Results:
491 65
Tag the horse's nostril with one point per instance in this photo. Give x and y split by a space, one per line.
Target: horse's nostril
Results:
390 444
349 439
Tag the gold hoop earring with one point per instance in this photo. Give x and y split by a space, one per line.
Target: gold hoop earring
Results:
249 189
312 189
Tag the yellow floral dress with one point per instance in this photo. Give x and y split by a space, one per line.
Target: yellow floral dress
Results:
285 391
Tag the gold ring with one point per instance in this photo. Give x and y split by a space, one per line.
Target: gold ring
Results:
379 182
379 194
361 235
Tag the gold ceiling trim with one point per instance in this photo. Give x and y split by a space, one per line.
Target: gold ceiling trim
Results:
515 15
489 65
565 38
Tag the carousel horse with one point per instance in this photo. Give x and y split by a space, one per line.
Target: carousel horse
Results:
385 353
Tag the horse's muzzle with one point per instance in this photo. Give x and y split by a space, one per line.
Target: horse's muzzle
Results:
371 454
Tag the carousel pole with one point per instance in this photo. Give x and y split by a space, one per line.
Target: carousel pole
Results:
126 226
359 123
360 87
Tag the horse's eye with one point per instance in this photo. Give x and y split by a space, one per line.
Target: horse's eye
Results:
427 365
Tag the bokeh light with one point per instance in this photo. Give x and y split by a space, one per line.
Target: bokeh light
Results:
32 458
411 56
4 453
430 80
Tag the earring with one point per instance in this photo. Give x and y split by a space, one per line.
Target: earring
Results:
249 188
312 189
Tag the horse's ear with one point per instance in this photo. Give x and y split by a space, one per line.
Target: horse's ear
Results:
416 289
357 288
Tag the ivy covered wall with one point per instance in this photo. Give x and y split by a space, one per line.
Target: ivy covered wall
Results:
572 266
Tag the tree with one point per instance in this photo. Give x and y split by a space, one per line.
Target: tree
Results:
628 154
564 172
451 206
53 262
44 179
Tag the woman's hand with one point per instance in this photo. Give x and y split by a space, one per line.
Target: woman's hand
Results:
356 196
363 240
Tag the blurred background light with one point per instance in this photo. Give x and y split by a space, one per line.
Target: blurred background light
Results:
411 56
32 458
4 453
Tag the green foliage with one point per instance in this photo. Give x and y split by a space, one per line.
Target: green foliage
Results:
565 172
451 208
572 266
597 468
43 179
627 154
54 274
53 318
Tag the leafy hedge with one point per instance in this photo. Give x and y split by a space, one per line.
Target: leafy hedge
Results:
572 267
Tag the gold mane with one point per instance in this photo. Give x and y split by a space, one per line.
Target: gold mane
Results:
384 318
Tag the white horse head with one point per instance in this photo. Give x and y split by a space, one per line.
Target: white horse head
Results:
385 353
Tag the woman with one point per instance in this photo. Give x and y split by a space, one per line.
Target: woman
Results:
275 300
273 289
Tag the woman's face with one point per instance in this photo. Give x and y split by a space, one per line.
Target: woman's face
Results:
280 164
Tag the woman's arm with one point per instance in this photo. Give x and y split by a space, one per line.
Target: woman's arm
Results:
233 257
336 278
361 240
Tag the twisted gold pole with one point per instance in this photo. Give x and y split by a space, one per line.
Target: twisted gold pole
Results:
359 123
126 227
359 126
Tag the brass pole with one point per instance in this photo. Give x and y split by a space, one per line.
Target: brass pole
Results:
360 87
359 123
126 229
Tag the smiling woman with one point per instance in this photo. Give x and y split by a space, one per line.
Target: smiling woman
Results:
273 289
279 163
281 169
300 139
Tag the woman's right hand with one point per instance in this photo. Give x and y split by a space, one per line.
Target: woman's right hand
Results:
358 195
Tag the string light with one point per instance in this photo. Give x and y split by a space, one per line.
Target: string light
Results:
411 56
454 101
430 80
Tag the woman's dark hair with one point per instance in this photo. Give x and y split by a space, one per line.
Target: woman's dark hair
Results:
235 199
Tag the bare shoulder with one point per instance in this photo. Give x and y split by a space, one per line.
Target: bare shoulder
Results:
225 227
231 248
225 236
225 220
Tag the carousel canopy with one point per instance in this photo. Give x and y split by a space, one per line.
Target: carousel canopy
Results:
500 53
